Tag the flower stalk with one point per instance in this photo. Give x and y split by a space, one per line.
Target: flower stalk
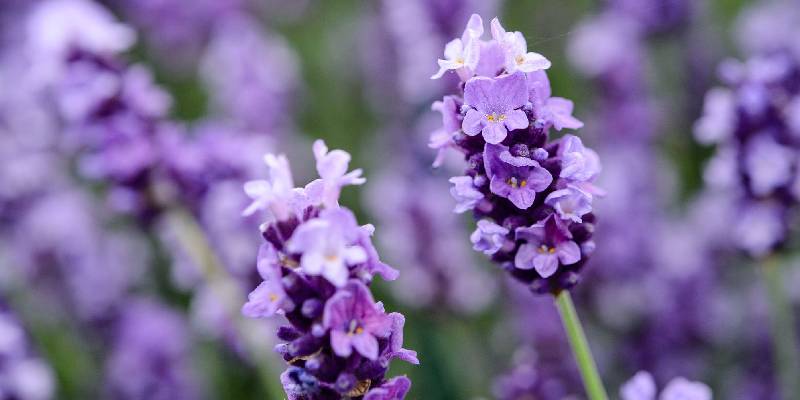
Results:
580 347
193 237
784 334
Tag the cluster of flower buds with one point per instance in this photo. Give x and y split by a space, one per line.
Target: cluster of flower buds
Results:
754 123
532 196
316 263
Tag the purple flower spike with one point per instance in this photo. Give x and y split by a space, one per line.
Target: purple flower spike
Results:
496 106
316 264
393 389
355 321
753 123
489 237
516 178
546 244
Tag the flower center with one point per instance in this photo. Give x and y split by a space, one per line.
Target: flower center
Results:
495 117
460 60
543 249
273 297
520 59
331 257
354 329
514 183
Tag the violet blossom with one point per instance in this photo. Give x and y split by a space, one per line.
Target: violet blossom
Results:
513 169
316 264
642 386
756 160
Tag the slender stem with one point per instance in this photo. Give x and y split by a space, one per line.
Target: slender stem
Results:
580 347
229 292
784 335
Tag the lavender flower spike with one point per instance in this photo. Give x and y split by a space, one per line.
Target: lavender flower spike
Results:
532 196
317 263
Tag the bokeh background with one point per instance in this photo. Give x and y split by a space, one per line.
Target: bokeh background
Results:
115 300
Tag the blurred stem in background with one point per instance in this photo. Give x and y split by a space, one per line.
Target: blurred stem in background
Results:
784 335
580 347
192 236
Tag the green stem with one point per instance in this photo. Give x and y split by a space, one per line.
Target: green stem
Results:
580 347
784 335
193 238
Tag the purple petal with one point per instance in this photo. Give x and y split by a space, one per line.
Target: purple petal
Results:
539 179
341 343
522 197
545 264
366 345
524 257
478 93
516 119
500 187
473 122
568 252
494 133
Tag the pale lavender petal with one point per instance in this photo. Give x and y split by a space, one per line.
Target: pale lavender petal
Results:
516 119
473 122
341 343
524 257
545 264
366 345
494 133
568 252
522 197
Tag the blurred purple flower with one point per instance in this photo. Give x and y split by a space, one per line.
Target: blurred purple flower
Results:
756 161
251 75
23 375
643 387
150 358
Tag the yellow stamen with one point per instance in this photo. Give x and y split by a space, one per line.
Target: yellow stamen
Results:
273 297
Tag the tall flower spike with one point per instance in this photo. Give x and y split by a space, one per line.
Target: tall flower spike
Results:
753 123
316 265
532 196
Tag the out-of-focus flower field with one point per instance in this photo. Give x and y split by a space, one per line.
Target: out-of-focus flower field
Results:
389 199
